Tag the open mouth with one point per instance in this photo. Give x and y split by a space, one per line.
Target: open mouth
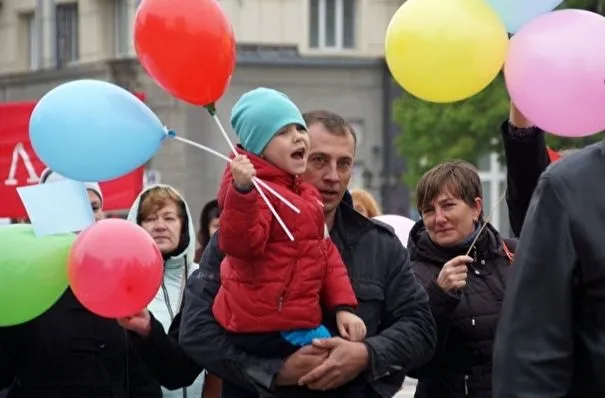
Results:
328 193
299 154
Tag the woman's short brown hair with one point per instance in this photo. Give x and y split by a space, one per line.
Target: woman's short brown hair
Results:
456 177
367 201
157 198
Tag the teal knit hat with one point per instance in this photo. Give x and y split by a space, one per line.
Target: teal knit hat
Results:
259 114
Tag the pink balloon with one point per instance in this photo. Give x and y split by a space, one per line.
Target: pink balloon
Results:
555 72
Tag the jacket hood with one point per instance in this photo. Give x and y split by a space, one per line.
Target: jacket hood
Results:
264 170
422 248
188 252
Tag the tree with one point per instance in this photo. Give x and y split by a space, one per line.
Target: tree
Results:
432 133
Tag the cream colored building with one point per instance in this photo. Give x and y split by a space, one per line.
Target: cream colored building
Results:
322 53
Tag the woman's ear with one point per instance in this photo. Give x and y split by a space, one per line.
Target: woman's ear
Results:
477 208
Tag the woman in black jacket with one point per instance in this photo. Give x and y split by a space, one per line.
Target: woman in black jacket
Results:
69 352
465 291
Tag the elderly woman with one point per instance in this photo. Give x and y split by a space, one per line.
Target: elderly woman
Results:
69 352
465 292
163 213
364 203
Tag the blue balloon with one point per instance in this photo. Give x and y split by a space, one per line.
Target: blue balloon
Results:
91 130
516 13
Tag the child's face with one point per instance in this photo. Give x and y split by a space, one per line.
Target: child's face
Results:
288 149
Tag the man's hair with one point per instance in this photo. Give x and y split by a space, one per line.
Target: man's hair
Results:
456 177
332 122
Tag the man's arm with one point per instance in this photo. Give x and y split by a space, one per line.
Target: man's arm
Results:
6 372
164 358
533 352
207 343
8 355
408 339
526 158
443 305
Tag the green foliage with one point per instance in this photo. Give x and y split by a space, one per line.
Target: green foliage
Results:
433 133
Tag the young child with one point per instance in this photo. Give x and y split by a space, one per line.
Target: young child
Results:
273 289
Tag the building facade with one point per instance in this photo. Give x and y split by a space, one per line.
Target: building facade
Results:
317 51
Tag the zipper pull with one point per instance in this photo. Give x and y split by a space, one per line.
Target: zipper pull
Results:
473 322
466 385
280 305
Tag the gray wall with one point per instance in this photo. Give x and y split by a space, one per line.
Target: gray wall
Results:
355 92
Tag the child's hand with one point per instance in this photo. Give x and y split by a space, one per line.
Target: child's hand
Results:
242 171
350 326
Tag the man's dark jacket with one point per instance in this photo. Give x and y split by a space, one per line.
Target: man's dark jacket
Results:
401 329
550 339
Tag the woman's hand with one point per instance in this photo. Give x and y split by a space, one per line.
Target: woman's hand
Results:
139 323
517 119
453 274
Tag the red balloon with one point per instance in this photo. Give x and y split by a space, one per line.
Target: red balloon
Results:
115 268
187 46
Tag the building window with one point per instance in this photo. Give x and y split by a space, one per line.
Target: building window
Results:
493 181
66 19
33 49
332 24
121 30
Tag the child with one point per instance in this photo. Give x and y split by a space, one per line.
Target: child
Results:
272 289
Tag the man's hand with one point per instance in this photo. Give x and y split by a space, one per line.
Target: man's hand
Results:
299 364
453 274
139 323
345 362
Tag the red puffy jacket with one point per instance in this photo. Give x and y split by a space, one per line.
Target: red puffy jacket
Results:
269 283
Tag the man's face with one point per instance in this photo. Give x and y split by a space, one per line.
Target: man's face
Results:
330 164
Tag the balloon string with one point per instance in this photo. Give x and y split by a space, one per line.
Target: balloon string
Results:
225 158
255 182
489 217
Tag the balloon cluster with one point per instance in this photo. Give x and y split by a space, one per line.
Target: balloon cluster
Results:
89 130
445 51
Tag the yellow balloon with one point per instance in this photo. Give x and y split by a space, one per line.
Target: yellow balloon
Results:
445 50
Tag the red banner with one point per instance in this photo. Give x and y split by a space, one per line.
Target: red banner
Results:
19 165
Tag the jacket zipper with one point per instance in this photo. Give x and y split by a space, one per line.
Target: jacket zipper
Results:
466 385
167 299
282 296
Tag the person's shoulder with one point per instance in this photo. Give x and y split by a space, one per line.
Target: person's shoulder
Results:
578 165
384 237
382 228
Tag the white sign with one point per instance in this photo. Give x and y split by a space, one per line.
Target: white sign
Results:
20 153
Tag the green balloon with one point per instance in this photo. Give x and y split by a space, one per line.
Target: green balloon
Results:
33 272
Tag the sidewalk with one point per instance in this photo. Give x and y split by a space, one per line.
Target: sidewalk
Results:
409 386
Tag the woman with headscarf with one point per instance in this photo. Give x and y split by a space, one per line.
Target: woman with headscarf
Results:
164 214
465 291
68 351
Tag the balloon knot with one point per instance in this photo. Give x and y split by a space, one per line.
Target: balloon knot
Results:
169 133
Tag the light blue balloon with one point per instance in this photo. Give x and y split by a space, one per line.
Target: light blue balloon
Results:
91 130
516 13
